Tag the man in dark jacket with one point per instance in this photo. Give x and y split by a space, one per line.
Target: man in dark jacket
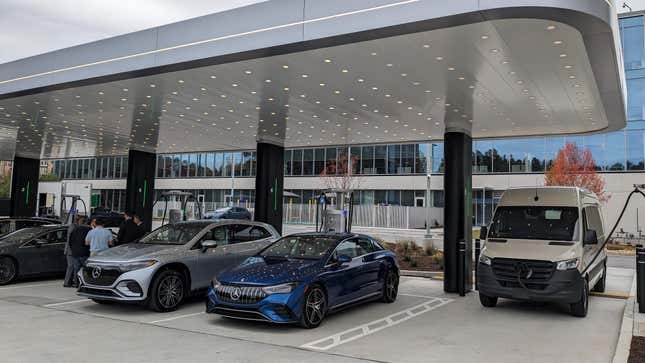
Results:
128 231
140 232
79 250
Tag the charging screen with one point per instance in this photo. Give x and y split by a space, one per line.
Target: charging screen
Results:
541 223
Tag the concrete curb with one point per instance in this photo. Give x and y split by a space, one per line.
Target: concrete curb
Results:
426 274
627 327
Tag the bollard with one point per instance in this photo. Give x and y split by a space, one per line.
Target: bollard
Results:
478 250
640 279
461 266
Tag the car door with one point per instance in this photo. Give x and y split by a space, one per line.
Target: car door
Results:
592 220
212 261
373 266
343 280
247 239
43 254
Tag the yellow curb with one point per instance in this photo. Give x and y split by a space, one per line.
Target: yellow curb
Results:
438 277
610 295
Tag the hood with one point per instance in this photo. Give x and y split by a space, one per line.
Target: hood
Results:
265 271
533 250
136 251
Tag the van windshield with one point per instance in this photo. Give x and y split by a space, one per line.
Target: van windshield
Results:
541 223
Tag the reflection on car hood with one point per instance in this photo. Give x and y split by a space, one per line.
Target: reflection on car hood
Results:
137 251
268 271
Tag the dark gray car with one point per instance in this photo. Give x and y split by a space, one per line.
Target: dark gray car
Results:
171 262
32 251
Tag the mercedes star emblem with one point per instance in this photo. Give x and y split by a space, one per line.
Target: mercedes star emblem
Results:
236 293
96 272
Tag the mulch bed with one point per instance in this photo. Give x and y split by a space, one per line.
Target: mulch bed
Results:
424 263
637 352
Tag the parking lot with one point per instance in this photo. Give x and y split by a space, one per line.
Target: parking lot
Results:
42 321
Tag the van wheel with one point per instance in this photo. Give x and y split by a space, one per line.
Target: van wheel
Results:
581 307
600 285
488 301
167 292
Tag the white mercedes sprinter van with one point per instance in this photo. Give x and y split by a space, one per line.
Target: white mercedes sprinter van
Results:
539 246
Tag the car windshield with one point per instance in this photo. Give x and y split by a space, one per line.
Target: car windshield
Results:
300 247
173 234
222 210
22 235
539 223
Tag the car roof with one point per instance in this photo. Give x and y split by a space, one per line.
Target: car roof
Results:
334 235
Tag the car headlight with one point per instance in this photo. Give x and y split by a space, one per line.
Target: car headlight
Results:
280 289
131 266
485 260
571 264
215 284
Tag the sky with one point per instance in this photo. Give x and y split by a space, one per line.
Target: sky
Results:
31 27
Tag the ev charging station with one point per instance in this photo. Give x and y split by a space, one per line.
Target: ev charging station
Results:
335 210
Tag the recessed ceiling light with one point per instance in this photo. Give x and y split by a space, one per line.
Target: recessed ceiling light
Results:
248 72
345 71
484 37
494 50
327 60
563 55
426 46
180 81
285 66
439 58
558 42
551 27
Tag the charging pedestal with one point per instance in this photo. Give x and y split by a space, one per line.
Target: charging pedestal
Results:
640 279
334 211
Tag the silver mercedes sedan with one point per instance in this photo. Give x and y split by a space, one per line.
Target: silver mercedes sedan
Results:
171 262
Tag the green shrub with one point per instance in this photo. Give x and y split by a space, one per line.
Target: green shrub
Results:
431 251
413 263
407 258
438 259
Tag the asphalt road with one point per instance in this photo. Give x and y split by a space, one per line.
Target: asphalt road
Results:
621 261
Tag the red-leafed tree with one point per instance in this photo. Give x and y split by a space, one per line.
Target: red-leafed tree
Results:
576 166
341 173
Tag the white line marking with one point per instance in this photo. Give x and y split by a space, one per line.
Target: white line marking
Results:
175 318
337 340
421 296
66 303
27 286
251 32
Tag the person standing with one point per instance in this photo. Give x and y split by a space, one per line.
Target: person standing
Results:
99 238
79 250
128 232
140 229
69 271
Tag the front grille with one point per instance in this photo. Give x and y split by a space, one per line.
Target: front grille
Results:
507 270
106 276
240 314
98 292
240 294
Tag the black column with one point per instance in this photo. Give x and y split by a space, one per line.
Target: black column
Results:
141 185
458 208
269 183
24 187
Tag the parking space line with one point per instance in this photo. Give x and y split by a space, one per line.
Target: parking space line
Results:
27 286
375 326
174 318
66 303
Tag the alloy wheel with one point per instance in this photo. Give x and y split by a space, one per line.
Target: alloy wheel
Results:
7 270
171 291
392 286
315 307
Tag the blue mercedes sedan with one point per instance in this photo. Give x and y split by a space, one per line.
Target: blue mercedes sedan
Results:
303 277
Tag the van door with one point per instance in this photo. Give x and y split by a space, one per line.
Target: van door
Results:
592 220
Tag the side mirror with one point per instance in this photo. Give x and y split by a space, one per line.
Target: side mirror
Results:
206 245
591 237
40 242
343 259
483 233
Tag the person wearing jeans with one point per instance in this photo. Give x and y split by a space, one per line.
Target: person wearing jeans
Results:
79 250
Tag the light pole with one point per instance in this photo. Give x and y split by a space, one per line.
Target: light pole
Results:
428 201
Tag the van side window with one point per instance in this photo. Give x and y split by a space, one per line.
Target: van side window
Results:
594 220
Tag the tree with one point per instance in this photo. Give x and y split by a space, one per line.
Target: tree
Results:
340 173
576 167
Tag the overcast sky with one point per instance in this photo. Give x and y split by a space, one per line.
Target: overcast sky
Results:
30 27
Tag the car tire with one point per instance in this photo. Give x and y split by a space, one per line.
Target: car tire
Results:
581 307
601 284
167 291
314 307
390 287
487 301
103 302
8 270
